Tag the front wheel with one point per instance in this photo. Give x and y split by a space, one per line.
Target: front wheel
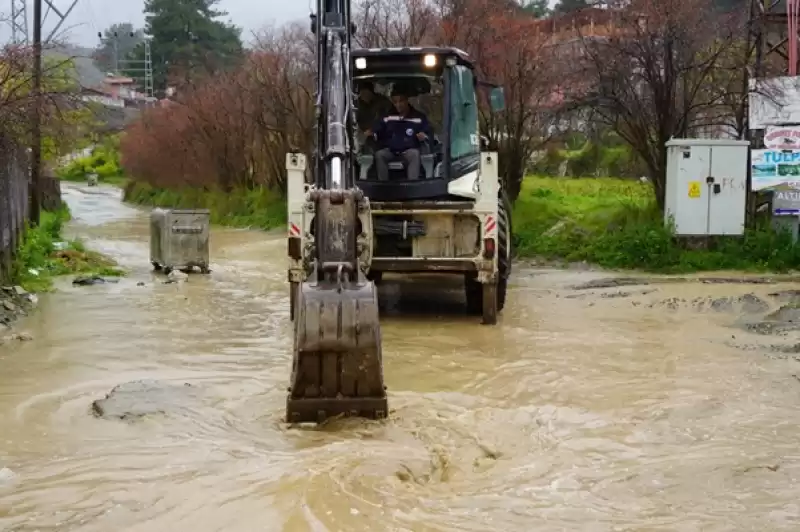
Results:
293 288
488 300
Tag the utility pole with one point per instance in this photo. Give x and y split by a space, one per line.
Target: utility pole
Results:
36 129
142 67
116 53
19 22
115 47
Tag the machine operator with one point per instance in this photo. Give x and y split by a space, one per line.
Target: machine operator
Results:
400 134
372 106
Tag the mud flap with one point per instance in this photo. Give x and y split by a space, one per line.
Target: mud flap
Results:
337 367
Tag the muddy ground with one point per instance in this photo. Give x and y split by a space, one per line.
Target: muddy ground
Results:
15 303
599 401
773 315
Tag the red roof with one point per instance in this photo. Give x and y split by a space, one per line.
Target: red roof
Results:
118 80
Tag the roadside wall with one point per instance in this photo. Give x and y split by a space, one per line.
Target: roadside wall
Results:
13 201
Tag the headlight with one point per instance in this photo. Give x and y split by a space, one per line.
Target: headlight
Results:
429 60
361 63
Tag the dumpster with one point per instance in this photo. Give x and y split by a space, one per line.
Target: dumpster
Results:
179 239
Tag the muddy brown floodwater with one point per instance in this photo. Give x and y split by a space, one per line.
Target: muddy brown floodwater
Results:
636 407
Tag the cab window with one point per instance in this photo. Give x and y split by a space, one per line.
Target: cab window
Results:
464 137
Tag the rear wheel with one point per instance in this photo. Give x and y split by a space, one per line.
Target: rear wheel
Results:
490 299
293 288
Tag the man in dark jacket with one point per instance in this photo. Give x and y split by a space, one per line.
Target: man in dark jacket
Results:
371 106
400 134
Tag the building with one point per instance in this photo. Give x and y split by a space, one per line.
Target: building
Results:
119 87
116 91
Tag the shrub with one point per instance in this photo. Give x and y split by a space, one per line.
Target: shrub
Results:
104 160
43 255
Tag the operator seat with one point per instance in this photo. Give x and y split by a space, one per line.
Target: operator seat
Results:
397 168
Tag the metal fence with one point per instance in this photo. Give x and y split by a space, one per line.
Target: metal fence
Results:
13 202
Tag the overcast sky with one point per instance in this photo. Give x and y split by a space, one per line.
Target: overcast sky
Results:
92 16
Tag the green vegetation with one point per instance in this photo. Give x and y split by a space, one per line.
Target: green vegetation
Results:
190 39
615 223
259 208
43 255
580 157
104 161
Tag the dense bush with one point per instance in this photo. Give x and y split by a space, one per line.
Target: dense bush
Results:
258 208
104 161
589 159
616 224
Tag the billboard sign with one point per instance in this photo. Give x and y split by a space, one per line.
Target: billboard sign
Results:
774 102
782 138
771 168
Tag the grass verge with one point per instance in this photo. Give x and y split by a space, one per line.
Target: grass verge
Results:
612 223
259 208
44 255
616 224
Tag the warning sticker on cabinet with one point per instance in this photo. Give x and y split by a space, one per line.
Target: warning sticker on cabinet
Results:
694 189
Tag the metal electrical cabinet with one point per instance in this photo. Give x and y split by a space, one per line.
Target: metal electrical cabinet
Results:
706 187
179 239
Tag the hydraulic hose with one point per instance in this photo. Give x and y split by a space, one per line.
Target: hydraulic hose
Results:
402 228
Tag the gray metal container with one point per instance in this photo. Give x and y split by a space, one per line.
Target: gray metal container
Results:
179 239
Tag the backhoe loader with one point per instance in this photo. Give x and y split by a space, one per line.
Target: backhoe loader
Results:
346 227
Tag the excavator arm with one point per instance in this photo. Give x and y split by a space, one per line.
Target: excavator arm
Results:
337 366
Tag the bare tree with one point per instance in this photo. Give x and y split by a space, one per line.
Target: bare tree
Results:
656 76
511 49
386 23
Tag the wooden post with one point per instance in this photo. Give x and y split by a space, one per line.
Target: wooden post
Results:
36 129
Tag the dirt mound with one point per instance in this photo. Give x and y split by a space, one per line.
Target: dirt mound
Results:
138 399
780 322
745 304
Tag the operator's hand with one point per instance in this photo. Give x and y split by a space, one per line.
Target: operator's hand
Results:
422 136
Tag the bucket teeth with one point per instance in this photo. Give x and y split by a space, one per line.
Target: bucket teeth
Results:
337 367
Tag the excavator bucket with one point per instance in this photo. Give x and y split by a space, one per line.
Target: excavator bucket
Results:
337 368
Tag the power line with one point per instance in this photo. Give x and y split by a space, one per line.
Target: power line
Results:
144 66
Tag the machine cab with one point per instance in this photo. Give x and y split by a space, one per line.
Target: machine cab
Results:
438 82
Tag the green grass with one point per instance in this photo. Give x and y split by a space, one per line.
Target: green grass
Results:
43 256
615 223
260 208
612 223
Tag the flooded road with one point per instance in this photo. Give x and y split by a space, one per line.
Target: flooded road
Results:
628 408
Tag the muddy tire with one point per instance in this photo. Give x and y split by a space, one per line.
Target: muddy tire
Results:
293 288
504 252
475 292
